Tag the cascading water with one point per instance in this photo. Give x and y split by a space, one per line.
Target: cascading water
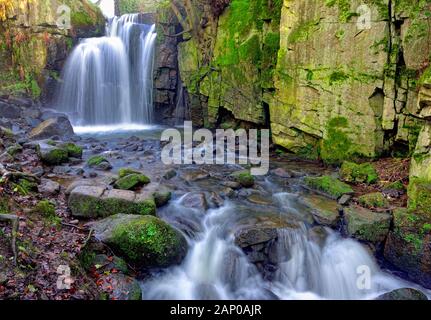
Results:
109 80
215 268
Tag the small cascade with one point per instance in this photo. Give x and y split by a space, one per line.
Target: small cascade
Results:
109 80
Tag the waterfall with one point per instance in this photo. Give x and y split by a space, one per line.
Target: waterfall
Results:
215 268
109 80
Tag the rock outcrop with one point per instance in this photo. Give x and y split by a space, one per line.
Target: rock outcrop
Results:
35 39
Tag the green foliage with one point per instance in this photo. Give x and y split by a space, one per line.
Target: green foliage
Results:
47 210
358 173
398 185
344 9
81 19
329 185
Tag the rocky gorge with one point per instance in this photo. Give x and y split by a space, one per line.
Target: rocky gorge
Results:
349 180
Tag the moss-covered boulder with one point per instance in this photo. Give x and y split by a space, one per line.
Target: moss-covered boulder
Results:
366 225
358 173
373 200
330 186
73 150
52 155
408 246
96 201
144 241
123 172
132 181
244 178
99 162
162 198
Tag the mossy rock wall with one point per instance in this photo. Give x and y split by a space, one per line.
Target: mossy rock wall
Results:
34 48
240 68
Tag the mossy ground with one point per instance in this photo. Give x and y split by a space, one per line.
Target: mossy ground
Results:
358 173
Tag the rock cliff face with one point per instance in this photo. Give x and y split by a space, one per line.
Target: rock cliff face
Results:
347 81
34 45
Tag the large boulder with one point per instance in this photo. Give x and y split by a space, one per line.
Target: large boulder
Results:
96 201
408 246
59 126
366 225
195 200
144 241
51 154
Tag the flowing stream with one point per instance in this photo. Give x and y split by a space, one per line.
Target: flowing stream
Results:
309 267
109 80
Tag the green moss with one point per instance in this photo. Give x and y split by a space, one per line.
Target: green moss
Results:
47 210
81 19
373 200
304 31
329 185
14 149
398 185
132 181
127 171
419 192
4 205
56 156
72 149
96 160
344 9
337 146
337 77
26 186
148 241
147 207
244 178
250 50
358 173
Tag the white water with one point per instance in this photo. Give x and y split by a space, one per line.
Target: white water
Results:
216 269
109 80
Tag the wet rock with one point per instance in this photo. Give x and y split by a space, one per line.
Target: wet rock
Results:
403 294
144 241
9 111
170 174
162 198
59 126
325 211
366 225
282 173
231 184
48 187
61 170
228 192
83 182
260 199
195 200
195 175
216 199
